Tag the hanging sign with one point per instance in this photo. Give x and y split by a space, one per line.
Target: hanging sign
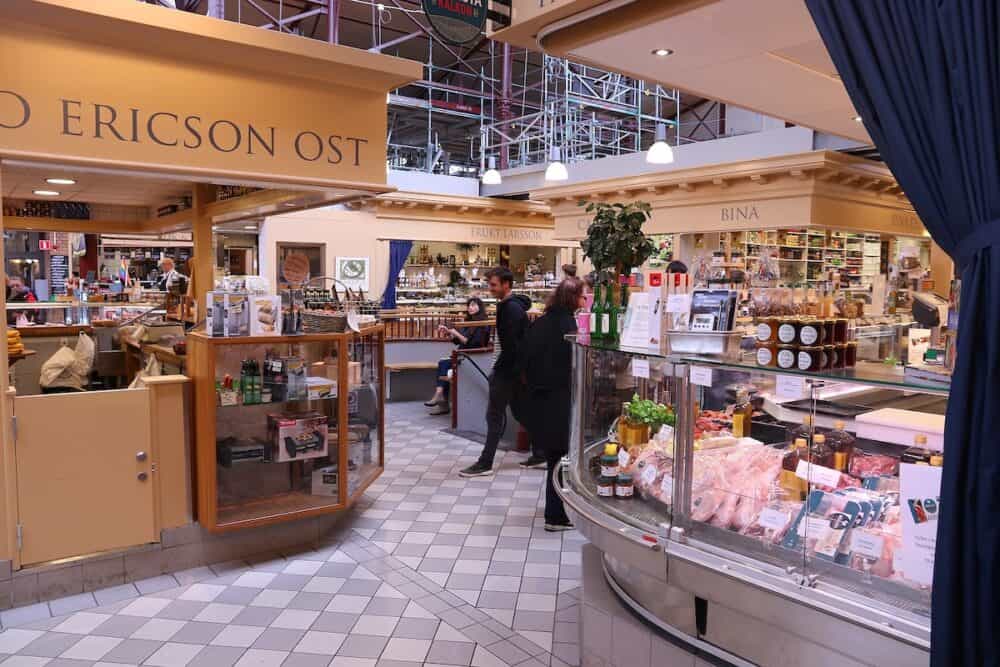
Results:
456 21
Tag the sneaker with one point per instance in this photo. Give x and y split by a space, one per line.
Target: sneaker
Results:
476 470
434 401
533 462
440 409
558 527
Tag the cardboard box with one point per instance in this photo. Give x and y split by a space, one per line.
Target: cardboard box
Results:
265 315
320 388
326 481
228 314
297 437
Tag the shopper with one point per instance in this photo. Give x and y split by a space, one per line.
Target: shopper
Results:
545 361
512 319
466 338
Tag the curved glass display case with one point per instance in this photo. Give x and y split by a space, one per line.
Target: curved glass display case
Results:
765 511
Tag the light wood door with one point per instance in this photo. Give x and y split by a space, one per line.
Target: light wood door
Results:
82 484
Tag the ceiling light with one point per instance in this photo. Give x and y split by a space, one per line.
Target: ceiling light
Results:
60 181
556 171
857 119
660 152
491 176
46 193
663 53
253 227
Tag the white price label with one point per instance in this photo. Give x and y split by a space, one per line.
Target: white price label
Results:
701 376
790 386
667 486
773 519
640 368
623 457
678 303
816 474
814 526
867 544
648 474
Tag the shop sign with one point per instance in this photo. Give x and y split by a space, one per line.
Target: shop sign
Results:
745 213
46 244
505 235
456 21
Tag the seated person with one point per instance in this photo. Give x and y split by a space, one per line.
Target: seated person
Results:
467 338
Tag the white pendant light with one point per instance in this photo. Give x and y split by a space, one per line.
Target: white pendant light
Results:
660 152
556 171
491 176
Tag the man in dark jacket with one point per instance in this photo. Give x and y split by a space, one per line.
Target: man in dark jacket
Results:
512 320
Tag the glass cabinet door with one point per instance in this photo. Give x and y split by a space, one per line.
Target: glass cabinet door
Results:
364 413
624 424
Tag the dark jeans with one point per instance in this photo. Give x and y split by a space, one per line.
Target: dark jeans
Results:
444 365
501 392
555 513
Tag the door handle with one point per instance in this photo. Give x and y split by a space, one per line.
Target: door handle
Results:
142 477
140 456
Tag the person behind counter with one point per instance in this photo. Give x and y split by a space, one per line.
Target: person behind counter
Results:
545 364
170 276
466 338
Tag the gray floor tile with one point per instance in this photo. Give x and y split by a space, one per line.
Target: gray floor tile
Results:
509 653
416 628
542 621
194 575
466 582
66 662
182 610
568 653
197 632
342 570
481 634
455 618
50 645
386 606
121 626
311 601
259 616
539 585
451 653
19 616
279 639
106 596
156 584
132 651
363 646
335 621
217 656
506 569
307 660
359 587
237 595
72 603
497 600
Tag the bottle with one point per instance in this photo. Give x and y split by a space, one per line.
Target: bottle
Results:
742 412
609 317
595 314
821 453
622 308
842 444
804 430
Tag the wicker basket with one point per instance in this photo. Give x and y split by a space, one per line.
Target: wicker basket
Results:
317 321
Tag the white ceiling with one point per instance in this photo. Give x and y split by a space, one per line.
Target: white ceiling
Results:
92 186
764 55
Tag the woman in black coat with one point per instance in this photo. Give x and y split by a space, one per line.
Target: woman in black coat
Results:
546 365
466 338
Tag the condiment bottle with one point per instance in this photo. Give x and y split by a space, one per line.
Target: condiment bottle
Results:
803 430
820 453
624 487
789 482
609 461
742 412
606 487
842 444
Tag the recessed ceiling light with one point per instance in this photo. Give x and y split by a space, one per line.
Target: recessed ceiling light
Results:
663 53
857 119
46 193
60 181
253 227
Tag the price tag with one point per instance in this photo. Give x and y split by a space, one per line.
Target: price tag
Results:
790 386
623 457
678 303
648 474
701 376
773 519
813 525
815 474
640 368
667 486
867 544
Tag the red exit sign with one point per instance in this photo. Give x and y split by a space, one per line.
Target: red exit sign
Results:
45 244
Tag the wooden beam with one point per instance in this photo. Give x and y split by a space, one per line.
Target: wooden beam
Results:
799 174
78 226
720 182
759 179
685 187
203 261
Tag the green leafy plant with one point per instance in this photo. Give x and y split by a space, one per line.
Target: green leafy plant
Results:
645 411
615 241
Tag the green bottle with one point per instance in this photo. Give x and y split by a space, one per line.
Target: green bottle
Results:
609 315
622 309
596 311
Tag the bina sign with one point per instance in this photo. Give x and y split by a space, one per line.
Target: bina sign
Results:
456 21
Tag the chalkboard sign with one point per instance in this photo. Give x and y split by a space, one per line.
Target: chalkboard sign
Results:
58 272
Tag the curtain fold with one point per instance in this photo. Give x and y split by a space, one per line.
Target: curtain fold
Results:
925 77
398 252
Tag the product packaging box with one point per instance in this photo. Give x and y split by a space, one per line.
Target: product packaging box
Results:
326 481
320 388
297 437
265 315
215 318
228 314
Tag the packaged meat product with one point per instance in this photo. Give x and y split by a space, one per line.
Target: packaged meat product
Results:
822 524
873 465
772 522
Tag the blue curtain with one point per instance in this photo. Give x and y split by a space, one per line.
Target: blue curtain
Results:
398 252
925 77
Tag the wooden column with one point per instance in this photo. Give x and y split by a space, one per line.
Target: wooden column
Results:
8 484
203 274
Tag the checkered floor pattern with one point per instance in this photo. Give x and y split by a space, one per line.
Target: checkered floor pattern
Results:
429 569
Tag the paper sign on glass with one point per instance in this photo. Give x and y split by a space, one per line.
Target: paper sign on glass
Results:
790 386
816 474
640 368
701 376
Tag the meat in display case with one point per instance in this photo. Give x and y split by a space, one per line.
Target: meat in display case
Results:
771 502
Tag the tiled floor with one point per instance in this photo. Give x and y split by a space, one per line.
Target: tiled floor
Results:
430 568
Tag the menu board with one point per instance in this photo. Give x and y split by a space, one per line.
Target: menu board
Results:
58 272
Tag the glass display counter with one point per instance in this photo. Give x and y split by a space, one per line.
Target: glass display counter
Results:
797 506
286 426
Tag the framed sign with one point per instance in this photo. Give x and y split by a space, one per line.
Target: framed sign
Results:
354 272
297 262
456 21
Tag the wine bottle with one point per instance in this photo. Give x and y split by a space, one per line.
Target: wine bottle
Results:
622 309
609 315
596 312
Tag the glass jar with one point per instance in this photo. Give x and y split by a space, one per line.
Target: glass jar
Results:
624 488
840 355
786 357
840 330
766 352
851 352
811 332
788 330
811 358
829 327
831 357
606 487
767 330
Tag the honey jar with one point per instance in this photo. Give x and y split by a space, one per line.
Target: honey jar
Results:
766 353
811 358
788 330
786 357
811 332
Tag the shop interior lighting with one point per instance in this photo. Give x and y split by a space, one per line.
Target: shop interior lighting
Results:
46 193
491 176
660 152
857 119
663 53
253 227
556 171
60 181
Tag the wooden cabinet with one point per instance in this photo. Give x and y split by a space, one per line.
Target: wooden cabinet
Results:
286 427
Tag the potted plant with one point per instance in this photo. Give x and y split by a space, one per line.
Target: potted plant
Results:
615 241
641 418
